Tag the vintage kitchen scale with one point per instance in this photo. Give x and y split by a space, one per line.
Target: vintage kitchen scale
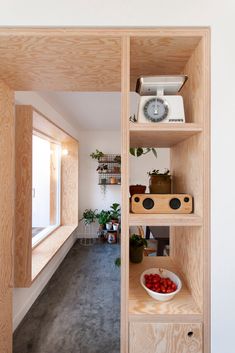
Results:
159 102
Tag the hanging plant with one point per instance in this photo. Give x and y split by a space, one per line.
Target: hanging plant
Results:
97 155
140 151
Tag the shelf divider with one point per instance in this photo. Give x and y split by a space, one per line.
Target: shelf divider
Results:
162 134
165 220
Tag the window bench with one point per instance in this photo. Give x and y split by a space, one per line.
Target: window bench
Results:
43 253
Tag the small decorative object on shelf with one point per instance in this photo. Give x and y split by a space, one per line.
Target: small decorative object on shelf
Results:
137 245
137 189
159 183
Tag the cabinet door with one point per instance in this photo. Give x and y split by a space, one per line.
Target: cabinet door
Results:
165 338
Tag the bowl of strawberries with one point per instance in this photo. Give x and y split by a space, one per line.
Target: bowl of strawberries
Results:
160 283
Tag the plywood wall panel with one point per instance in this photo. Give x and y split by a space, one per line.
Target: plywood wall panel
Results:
23 209
6 215
69 183
62 61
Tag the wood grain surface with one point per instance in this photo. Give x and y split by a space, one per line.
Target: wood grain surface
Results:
164 219
125 140
7 195
161 135
160 55
69 183
61 62
165 338
46 250
142 306
23 209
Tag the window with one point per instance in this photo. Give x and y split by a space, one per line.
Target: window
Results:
46 187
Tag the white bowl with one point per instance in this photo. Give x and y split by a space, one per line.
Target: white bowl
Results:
162 297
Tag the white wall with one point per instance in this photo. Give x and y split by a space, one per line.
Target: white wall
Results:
23 298
220 16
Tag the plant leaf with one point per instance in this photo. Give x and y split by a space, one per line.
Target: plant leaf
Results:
154 152
139 151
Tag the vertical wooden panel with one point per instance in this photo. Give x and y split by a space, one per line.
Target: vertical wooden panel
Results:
191 169
69 183
6 215
23 209
53 182
125 192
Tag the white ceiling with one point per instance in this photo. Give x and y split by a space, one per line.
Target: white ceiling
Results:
87 110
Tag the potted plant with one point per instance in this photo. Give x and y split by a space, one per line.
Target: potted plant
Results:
137 189
97 155
159 183
103 218
89 216
137 245
115 212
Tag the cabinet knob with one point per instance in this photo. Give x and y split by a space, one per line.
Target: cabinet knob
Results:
190 334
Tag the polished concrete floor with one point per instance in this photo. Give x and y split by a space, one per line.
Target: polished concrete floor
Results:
79 310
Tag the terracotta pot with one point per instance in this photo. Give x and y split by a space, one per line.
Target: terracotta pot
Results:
137 189
160 184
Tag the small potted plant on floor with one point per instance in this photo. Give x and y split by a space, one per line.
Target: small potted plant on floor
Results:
89 216
137 245
159 183
103 218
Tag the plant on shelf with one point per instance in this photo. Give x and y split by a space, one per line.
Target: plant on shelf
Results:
159 183
117 159
97 155
140 151
137 245
89 216
103 218
115 212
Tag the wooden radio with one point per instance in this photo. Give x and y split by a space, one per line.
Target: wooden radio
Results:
161 203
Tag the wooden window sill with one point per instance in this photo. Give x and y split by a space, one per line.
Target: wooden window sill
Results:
43 253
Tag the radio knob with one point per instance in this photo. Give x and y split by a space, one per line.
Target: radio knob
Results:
175 203
148 203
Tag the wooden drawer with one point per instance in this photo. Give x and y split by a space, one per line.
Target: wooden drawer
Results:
165 337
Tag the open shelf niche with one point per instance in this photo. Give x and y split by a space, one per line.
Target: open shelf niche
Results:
160 53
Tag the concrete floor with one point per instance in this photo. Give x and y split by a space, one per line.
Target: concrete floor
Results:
79 310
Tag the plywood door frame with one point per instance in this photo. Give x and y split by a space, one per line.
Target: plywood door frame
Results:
7 171
125 34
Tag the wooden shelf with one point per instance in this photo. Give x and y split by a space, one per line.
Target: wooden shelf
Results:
165 220
161 135
143 307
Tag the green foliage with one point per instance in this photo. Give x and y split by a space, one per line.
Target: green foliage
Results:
156 172
137 241
97 154
118 262
115 211
139 151
89 216
103 217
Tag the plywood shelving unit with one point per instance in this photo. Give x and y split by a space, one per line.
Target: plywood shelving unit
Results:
187 53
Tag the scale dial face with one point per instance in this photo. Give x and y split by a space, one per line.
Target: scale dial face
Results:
156 109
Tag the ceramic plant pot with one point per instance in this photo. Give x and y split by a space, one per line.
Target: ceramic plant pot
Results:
137 189
109 226
160 184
